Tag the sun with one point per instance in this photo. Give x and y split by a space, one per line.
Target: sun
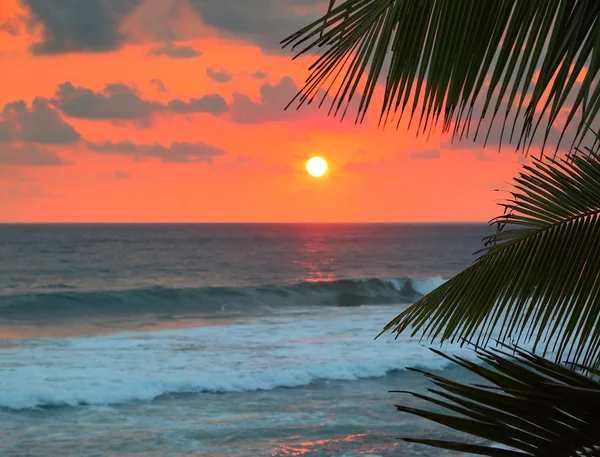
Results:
316 166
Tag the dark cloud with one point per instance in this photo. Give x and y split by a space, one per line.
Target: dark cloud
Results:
270 107
169 49
79 25
160 86
94 25
121 174
430 154
176 152
29 155
39 123
219 76
122 102
273 99
258 74
212 103
265 22
6 132
115 101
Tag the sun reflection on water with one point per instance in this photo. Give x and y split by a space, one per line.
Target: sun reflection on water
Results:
316 259
332 446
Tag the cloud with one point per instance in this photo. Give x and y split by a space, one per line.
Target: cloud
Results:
258 74
39 123
6 132
119 101
219 76
175 153
116 101
265 23
160 86
430 154
169 49
79 26
272 101
212 103
271 104
95 25
12 26
29 155
121 174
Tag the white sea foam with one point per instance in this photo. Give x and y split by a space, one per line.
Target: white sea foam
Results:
259 354
421 286
424 286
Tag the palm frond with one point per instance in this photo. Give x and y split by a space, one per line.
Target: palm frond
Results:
441 54
529 405
538 279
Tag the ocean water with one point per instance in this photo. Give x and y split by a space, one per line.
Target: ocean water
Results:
217 340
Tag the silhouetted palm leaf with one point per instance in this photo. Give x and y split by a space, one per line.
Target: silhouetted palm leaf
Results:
539 277
442 54
528 404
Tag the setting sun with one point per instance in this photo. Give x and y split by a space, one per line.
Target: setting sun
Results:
316 166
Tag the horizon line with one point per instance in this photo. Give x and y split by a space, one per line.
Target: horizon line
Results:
231 222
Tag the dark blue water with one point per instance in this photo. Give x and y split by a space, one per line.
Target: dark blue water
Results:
215 340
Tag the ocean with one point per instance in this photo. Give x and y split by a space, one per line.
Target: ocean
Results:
217 339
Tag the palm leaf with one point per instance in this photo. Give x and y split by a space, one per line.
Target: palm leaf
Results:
441 54
538 279
528 404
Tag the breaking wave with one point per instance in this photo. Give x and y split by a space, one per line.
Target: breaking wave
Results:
212 301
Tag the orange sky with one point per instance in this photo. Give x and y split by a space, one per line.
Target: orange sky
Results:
120 131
